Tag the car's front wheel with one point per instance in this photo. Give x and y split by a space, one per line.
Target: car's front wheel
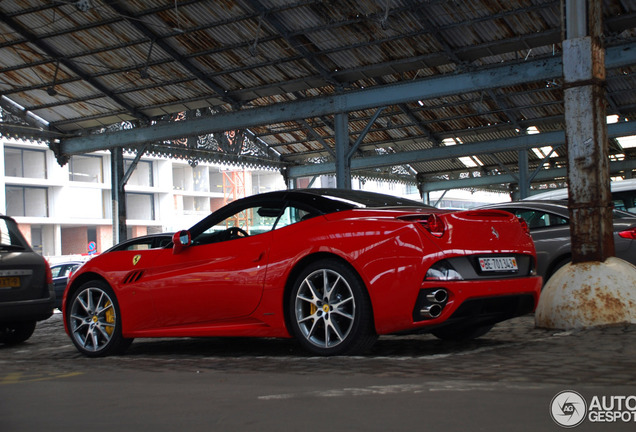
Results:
94 321
329 311
16 332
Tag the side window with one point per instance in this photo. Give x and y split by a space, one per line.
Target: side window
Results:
55 271
139 246
540 219
625 200
263 219
63 270
619 204
247 222
291 215
557 220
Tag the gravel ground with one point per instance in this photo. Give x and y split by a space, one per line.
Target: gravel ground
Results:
514 351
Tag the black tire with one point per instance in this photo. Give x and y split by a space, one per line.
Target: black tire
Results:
94 320
463 333
17 332
329 311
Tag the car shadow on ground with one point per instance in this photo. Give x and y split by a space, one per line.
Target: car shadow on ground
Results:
386 346
50 337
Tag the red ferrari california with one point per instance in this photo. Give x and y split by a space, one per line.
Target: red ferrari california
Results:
331 268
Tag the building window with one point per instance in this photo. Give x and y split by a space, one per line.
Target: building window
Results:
27 201
142 175
140 206
24 163
179 178
88 169
36 239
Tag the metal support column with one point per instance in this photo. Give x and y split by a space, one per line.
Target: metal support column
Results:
586 133
118 195
292 183
343 163
524 180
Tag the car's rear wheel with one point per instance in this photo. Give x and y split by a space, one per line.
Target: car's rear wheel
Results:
17 332
94 320
329 311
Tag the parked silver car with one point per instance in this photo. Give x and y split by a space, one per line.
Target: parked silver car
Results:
549 223
623 195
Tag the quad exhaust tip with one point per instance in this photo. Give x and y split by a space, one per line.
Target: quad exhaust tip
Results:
431 311
437 296
436 301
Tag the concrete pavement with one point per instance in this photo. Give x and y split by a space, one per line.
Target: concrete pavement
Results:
503 381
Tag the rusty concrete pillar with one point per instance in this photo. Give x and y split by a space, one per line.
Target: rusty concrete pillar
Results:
596 288
590 200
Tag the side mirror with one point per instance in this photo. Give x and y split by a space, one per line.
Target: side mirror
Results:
180 241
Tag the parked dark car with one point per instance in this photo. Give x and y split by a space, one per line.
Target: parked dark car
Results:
26 285
61 272
549 223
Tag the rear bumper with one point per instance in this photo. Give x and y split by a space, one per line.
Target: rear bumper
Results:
475 302
490 310
28 310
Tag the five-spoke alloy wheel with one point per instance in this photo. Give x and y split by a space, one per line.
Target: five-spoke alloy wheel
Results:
92 314
329 311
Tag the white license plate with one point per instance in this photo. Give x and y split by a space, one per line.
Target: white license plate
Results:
498 264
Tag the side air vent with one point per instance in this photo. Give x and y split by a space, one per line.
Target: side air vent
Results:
133 276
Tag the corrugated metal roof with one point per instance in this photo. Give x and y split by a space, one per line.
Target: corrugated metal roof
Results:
91 63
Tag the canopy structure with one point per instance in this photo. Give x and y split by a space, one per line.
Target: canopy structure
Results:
444 93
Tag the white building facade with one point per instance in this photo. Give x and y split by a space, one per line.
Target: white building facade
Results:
67 210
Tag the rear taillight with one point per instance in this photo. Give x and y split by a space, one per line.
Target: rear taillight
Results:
49 275
524 225
442 271
435 225
628 234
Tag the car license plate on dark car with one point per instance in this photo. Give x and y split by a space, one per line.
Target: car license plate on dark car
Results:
9 282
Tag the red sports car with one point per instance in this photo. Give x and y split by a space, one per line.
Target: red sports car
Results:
332 268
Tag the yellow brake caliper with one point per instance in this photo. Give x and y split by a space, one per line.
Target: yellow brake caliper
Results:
109 315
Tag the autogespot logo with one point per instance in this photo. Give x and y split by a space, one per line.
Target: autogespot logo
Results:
568 409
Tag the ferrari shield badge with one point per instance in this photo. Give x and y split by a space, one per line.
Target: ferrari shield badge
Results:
136 259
